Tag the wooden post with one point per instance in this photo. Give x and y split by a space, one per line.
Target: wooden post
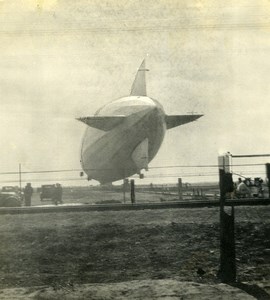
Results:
124 190
180 193
227 271
132 191
268 178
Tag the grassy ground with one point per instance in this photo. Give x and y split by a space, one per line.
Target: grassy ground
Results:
60 249
89 196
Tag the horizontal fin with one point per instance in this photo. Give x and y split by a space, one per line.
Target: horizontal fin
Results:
105 123
177 120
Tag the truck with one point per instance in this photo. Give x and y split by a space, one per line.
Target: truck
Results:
47 192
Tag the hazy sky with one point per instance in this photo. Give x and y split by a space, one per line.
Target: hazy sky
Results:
64 59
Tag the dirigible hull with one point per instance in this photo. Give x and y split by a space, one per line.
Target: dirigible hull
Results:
126 134
107 156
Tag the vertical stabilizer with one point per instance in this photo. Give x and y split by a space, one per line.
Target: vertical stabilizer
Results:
139 85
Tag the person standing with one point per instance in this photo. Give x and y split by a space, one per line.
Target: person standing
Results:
242 189
28 191
58 194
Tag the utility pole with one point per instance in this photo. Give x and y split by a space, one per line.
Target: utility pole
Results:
20 180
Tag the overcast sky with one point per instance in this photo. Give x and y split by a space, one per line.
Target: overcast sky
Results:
64 59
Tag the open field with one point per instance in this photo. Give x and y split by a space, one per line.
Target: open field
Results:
143 194
64 249
91 196
97 195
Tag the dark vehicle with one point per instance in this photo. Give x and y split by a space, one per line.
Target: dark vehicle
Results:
10 197
47 192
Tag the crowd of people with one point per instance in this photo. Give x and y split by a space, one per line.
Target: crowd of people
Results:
245 188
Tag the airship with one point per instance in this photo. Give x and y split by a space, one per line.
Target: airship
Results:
123 136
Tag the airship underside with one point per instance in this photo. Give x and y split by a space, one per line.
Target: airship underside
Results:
126 134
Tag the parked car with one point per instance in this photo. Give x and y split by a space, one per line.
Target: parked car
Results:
10 197
9 188
47 192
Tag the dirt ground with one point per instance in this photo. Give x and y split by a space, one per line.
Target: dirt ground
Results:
137 289
62 250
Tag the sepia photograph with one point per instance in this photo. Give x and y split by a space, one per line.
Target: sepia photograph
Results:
135 161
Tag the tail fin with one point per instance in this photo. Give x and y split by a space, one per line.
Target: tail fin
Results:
139 85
